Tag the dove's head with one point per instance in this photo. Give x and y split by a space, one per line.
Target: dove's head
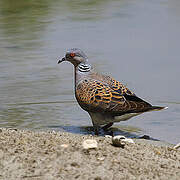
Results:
75 56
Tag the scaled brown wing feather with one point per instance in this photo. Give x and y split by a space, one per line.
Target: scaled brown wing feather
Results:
116 85
96 96
113 84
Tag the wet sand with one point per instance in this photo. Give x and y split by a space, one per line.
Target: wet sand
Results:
56 155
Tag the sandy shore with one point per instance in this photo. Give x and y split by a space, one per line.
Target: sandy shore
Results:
54 155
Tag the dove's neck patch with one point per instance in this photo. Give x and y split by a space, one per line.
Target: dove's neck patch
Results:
83 67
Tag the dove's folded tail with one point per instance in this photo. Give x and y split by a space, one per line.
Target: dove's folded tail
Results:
157 108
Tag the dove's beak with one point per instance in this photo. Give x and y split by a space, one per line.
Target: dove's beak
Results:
61 60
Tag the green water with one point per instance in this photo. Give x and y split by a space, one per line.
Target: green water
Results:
135 41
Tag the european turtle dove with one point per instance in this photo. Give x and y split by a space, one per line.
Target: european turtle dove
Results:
105 99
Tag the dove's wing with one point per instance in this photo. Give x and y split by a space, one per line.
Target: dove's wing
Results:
96 96
116 85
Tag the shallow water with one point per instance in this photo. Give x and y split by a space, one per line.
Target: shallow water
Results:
135 41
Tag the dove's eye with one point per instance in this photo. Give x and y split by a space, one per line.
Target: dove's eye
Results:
72 54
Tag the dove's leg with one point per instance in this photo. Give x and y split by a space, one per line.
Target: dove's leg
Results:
107 126
96 122
96 129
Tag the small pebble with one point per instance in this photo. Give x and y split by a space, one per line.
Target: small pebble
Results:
100 158
120 141
177 146
90 144
128 140
64 145
117 141
108 136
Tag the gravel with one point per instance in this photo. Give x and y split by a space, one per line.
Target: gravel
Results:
55 155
